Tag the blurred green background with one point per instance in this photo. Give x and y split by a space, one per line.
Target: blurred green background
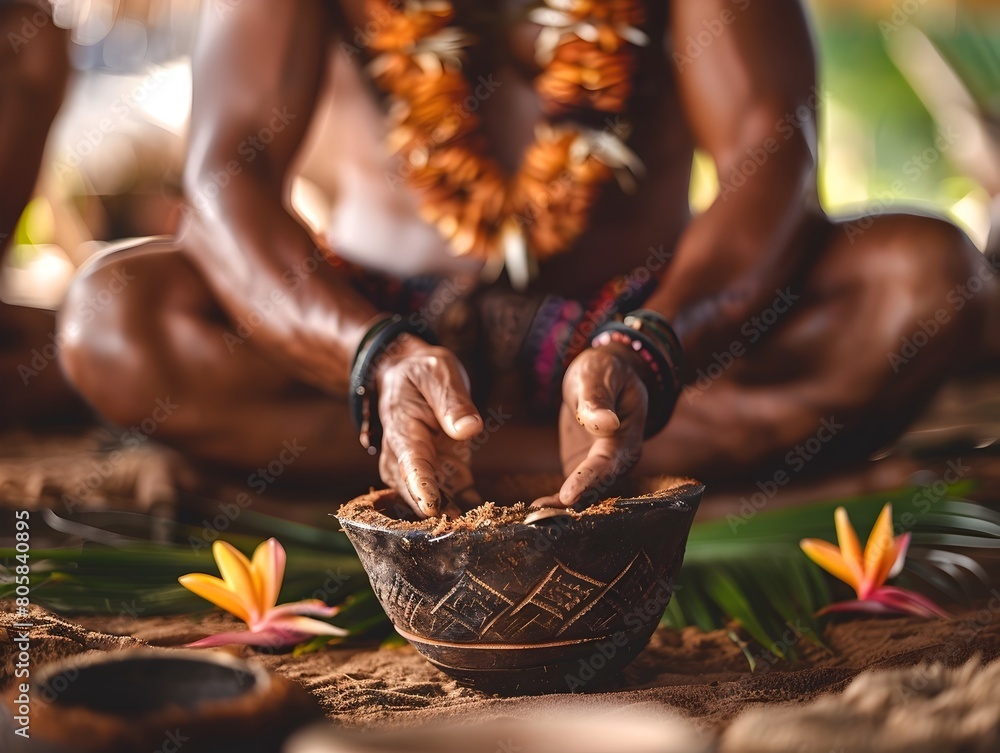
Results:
911 108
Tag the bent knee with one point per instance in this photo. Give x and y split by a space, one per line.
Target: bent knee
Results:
918 292
922 266
952 279
107 336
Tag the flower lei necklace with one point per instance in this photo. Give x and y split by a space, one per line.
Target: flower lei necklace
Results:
588 52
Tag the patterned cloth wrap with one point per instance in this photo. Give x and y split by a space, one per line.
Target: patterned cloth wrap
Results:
563 327
560 330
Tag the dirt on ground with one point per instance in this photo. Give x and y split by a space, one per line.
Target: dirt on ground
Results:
704 676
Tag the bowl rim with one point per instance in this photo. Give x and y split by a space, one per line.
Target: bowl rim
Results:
262 679
688 493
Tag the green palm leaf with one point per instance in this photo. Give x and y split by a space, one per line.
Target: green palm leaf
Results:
749 569
973 52
109 569
744 569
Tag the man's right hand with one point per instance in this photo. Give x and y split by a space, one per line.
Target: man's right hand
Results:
427 419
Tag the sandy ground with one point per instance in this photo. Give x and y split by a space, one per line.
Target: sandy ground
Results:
704 675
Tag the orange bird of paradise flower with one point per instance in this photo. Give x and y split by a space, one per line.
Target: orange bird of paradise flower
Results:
249 589
867 572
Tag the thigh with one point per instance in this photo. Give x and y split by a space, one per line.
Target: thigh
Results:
141 330
888 311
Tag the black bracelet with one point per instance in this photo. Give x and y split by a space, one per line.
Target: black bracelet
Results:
662 365
657 326
362 396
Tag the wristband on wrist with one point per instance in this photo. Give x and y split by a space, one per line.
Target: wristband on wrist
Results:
654 341
658 328
362 394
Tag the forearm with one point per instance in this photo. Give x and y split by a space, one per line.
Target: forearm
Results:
268 273
734 258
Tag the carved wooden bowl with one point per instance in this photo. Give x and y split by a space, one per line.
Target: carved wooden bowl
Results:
515 607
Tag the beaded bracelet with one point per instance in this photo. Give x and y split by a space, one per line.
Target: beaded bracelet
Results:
363 396
663 398
656 326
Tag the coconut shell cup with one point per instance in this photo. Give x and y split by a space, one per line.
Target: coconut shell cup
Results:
514 607
159 699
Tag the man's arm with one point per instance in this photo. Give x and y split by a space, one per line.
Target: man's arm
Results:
749 96
257 69
743 66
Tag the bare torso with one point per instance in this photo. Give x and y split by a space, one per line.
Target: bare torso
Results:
860 295
374 219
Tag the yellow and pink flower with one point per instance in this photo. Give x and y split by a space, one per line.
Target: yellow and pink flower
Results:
249 589
866 572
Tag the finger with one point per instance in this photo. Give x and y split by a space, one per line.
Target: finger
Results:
446 390
594 399
549 500
388 468
606 462
457 480
417 473
412 444
598 464
595 409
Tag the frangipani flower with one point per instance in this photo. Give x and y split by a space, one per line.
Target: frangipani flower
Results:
866 573
249 590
